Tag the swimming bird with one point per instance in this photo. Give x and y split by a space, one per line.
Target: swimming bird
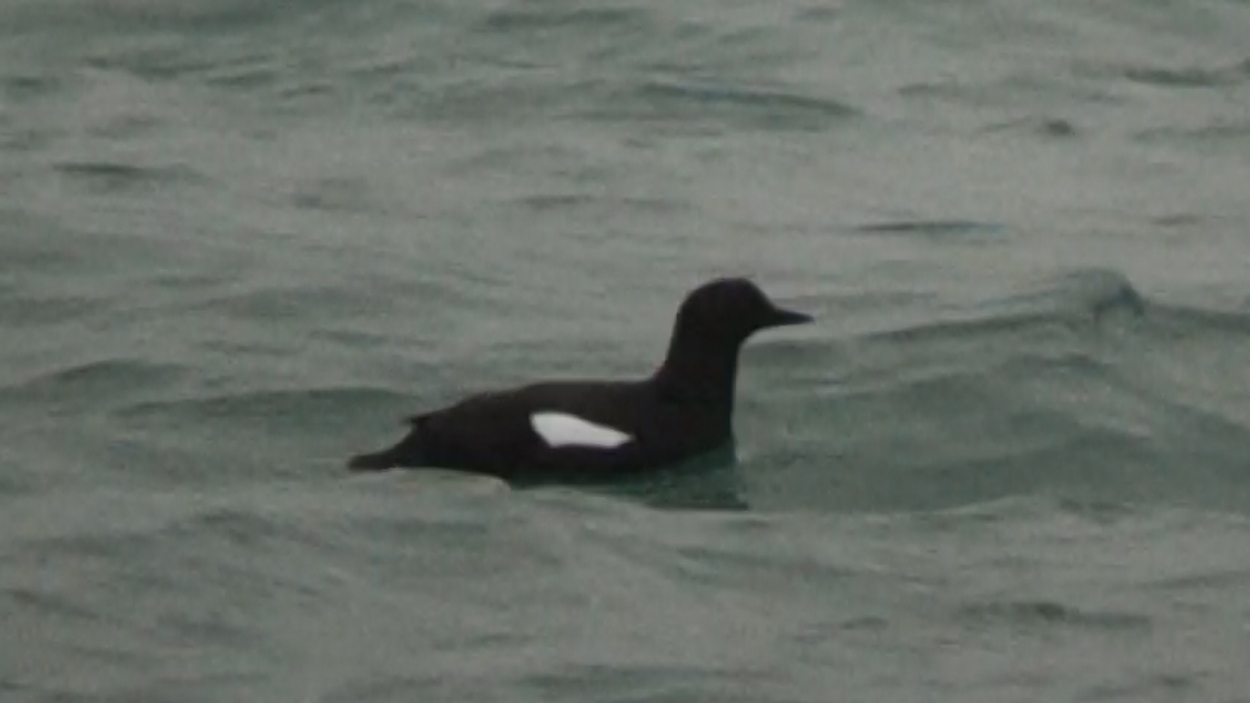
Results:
598 431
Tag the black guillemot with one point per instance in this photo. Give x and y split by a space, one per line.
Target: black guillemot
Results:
599 431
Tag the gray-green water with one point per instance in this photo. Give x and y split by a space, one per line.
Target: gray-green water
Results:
240 239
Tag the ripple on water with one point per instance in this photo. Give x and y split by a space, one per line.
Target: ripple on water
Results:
1036 614
109 381
113 177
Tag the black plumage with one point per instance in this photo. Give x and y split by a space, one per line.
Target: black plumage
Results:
683 410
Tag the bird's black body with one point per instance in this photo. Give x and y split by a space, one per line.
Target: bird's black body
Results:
682 411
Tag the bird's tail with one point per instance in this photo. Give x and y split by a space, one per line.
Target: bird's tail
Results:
408 452
377 461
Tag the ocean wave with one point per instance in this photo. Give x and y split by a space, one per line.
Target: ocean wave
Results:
112 177
123 15
1041 613
114 379
773 108
563 17
1068 301
295 405
940 230
1187 76
25 310
1221 134
1083 387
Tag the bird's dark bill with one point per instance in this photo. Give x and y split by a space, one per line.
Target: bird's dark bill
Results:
781 316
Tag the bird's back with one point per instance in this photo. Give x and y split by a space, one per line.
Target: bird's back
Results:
569 430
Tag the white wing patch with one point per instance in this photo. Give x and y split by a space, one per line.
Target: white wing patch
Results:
565 430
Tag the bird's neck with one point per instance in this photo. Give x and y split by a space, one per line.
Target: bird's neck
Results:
699 372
